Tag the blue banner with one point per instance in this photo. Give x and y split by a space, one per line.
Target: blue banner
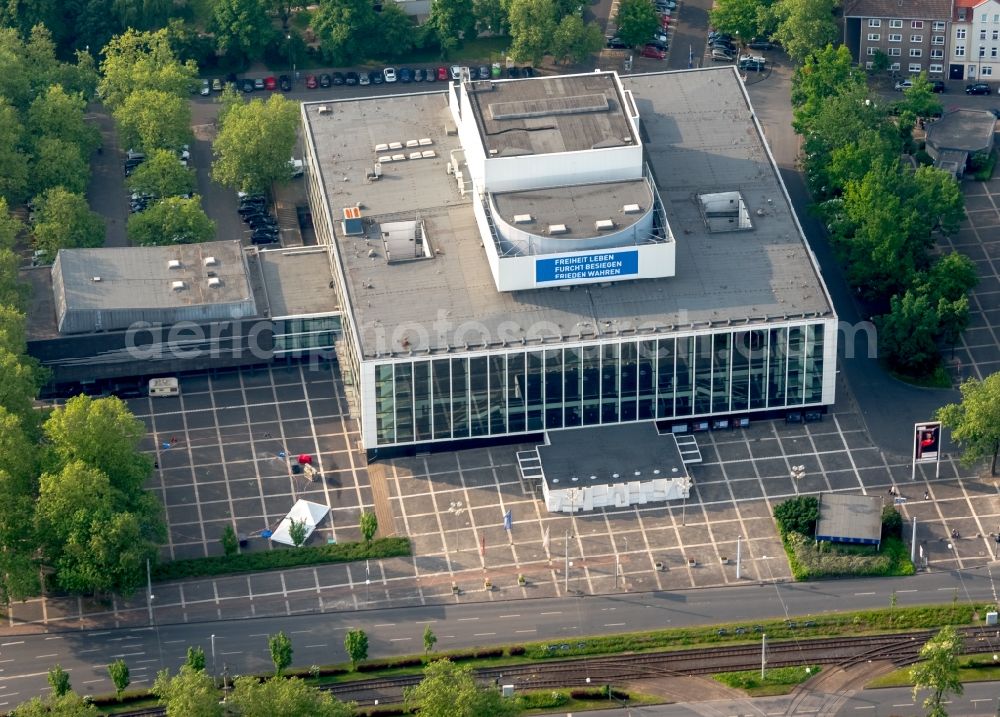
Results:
587 266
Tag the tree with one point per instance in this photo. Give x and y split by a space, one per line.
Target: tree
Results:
10 227
59 681
396 30
450 690
975 421
297 532
880 62
637 21
230 543
253 698
195 659
58 163
142 14
452 22
254 144
532 25
907 334
430 639
920 98
101 433
173 220
368 522
143 61
13 162
162 175
68 705
154 119
242 28
118 671
19 575
20 382
797 515
346 29
59 114
744 19
491 16
190 693
574 41
935 203
825 73
64 221
938 671
804 25
356 644
281 651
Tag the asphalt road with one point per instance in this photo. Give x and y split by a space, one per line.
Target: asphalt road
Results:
242 646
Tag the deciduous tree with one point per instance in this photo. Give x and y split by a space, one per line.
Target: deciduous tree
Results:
13 162
453 21
162 175
368 522
195 659
396 31
826 72
938 671
143 61
154 119
276 696
230 543
242 28
173 220
346 29
297 532
69 705
58 680
804 25
637 21
356 645
59 114
450 690
532 25
189 693
430 639
118 671
64 221
575 41
744 19
907 334
975 420
10 227
920 98
281 652
254 144
58 163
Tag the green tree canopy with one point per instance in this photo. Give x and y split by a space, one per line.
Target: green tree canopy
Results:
154 119
64 221
804 25
532 25
356 645
798 515
119 673
13 162
162 175
280 648
452 22
491 16
744 19
195 659
59 114
450 690
173 220
368 523
825 73
975 420
637 21
396 31
10 227
346 29
920 98
255 143
58 680
278 696
190 693
575 41
136 61
937 672
59 163
242 28
907 335
68 705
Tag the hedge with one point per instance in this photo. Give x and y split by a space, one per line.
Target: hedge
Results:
278 559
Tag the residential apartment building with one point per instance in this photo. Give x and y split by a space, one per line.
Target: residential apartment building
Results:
975 41
914 34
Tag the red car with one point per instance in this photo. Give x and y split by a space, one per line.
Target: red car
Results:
442 73
664 22
652 51
270 83
311 82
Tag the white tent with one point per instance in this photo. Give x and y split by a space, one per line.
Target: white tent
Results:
303 510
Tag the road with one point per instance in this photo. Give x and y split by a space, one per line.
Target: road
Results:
242 646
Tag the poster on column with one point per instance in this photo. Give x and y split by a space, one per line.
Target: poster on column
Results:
926 442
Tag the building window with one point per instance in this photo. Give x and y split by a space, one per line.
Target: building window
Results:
895 52
986 70
937 54
894 67
872 22
937 40
982 51
959 50
993 52
916 38
996 19
916 53
895 23
869 65
915 67
982 34
895 38
938 26
960 33
917 25
961 14
872 51
936 69
874 37
983 18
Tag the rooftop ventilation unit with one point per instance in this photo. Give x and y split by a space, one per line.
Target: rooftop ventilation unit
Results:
96 279
215 282
631 209
211 261
522 219
383 147
425 141
395 145
352 224
428 154
557 229
177 285
398 157
174 264
324 110
412 143
603 225
415 155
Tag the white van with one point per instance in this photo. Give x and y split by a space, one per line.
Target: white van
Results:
164 387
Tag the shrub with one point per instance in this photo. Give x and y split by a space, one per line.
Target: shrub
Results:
279 559
798 515
488 652
542 700
810 562
892 523
981 165
515 650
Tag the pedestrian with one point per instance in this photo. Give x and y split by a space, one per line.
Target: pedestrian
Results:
927 495
173 440
156 465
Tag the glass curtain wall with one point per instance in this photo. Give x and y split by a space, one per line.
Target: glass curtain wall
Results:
532 390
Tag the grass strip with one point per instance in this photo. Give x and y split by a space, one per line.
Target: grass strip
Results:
974 668
776 681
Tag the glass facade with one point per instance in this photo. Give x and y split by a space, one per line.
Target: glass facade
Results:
293 336
735 370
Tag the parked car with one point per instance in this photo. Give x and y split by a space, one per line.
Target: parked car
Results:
405 75
654 52
660 37
216 85
261 221
615 43
419 75
258 83
364 79
311 82
527 71
513 72
760 43
442 73
484 72
271 83
903 85
351 79
206 88
456 72
721 56
376 77
753 64
659 45
977 88
389 73
337 79
496 72
722 45
285 83
263 238
938 86
325 80
248 85
430 75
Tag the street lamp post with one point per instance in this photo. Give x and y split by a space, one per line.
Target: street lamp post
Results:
215 666
291 56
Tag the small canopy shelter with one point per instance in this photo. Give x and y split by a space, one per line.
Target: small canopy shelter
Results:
303 510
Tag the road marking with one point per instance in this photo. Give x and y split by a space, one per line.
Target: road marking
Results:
174 642
130 654
41 657
947 589
300 632
234 652
521 631
90 682
10 660
508 616
467 619
399 639
259 634
859 594
386 624
865 707
8 644
904 704
98 634
557 612
93 649
483 634
425 622
32 674
906 591
321 645
54 638
982 699
613 624
142 661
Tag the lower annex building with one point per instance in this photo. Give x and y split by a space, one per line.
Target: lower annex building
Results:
515 256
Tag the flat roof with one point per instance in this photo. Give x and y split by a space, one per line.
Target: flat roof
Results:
576 207
965 130
701 137
546 115
579 457
293 285
41 309
849 518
